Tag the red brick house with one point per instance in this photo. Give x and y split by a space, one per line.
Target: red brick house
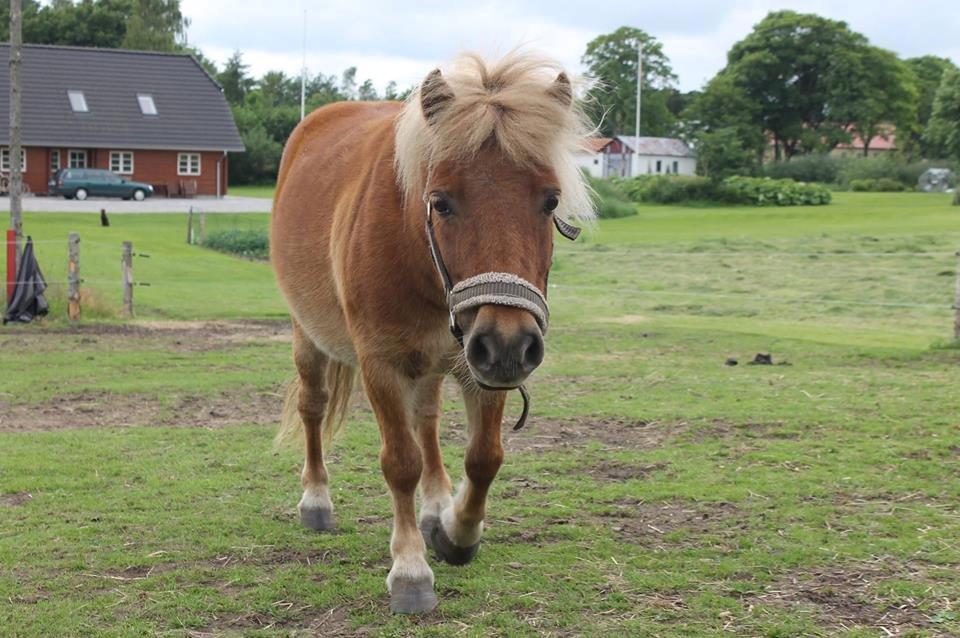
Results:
151 117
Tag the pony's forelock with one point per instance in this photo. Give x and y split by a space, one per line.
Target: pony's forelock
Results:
509 101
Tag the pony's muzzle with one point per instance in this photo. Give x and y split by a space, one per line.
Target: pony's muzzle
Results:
503 347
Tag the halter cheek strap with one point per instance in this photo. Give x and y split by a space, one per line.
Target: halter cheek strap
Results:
493 288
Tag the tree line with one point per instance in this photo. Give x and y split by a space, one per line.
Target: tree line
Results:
797 84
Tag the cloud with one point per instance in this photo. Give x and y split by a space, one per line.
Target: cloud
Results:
403 41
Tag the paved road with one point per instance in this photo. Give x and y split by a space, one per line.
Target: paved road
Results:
152 205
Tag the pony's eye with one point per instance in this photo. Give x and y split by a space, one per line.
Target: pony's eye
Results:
550 204
441 204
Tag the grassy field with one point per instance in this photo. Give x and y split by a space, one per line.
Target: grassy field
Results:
265 192
656 491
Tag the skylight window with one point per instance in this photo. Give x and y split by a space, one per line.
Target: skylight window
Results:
147 105
77 101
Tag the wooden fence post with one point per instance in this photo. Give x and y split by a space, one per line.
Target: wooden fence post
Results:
203 226
73 277
956 303
190 226
127 263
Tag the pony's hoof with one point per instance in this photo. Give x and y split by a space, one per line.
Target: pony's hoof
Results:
412 596
318 519
441 544
426 529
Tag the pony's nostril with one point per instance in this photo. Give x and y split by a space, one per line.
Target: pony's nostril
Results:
481 352
531 352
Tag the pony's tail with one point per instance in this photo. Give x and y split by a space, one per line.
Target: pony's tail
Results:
340 380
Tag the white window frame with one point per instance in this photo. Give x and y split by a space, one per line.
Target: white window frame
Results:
120 155
191 172
76 93
79 152
5 159
55 153
141 97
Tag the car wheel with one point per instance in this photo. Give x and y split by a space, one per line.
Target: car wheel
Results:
81 194
139 195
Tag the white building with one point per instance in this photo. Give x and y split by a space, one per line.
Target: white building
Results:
629 156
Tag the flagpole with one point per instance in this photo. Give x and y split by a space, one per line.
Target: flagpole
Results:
636 121
303 70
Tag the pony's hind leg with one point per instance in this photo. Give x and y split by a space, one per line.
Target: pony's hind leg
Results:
434 482
457 538
316 508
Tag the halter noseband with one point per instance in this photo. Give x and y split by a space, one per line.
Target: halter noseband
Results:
493 288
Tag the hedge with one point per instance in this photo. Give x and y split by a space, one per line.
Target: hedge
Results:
882 185
610 199
249 243
759 191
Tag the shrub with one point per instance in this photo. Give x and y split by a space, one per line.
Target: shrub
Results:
763 191
822 169
882 185
249 243
669 189
760 191
891 168
610 200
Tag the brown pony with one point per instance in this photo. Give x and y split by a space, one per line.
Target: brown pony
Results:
485 152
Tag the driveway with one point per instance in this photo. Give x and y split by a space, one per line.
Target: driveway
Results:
226 204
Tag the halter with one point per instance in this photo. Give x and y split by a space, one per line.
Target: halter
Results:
493 288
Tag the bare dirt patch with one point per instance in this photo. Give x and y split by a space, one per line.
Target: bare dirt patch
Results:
849 596
15 499
190 336
619 471
543 434
104 409
646 523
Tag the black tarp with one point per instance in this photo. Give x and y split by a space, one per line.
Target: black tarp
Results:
28 301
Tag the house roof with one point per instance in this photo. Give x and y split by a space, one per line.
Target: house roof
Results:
596 144
886 141
192 113
659 146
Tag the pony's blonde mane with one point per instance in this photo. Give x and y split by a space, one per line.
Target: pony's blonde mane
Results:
509 101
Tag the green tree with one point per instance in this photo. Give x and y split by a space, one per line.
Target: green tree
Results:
723 123
367 91
260 162
155 25
611 61
943 130
788 66
875 91
721 153
234 80
927 73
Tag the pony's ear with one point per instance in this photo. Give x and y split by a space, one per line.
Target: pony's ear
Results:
561 90
435 93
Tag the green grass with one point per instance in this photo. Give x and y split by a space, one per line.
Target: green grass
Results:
185 281
261 191
693 499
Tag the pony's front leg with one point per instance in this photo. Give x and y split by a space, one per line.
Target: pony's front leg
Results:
410 580
457 537
434 483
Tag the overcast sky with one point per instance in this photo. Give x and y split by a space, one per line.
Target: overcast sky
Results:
402 41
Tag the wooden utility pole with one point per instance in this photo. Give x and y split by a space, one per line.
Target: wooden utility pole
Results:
16 169
190 226
127 264
73 277
203 227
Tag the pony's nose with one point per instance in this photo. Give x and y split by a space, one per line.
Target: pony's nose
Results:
504 361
